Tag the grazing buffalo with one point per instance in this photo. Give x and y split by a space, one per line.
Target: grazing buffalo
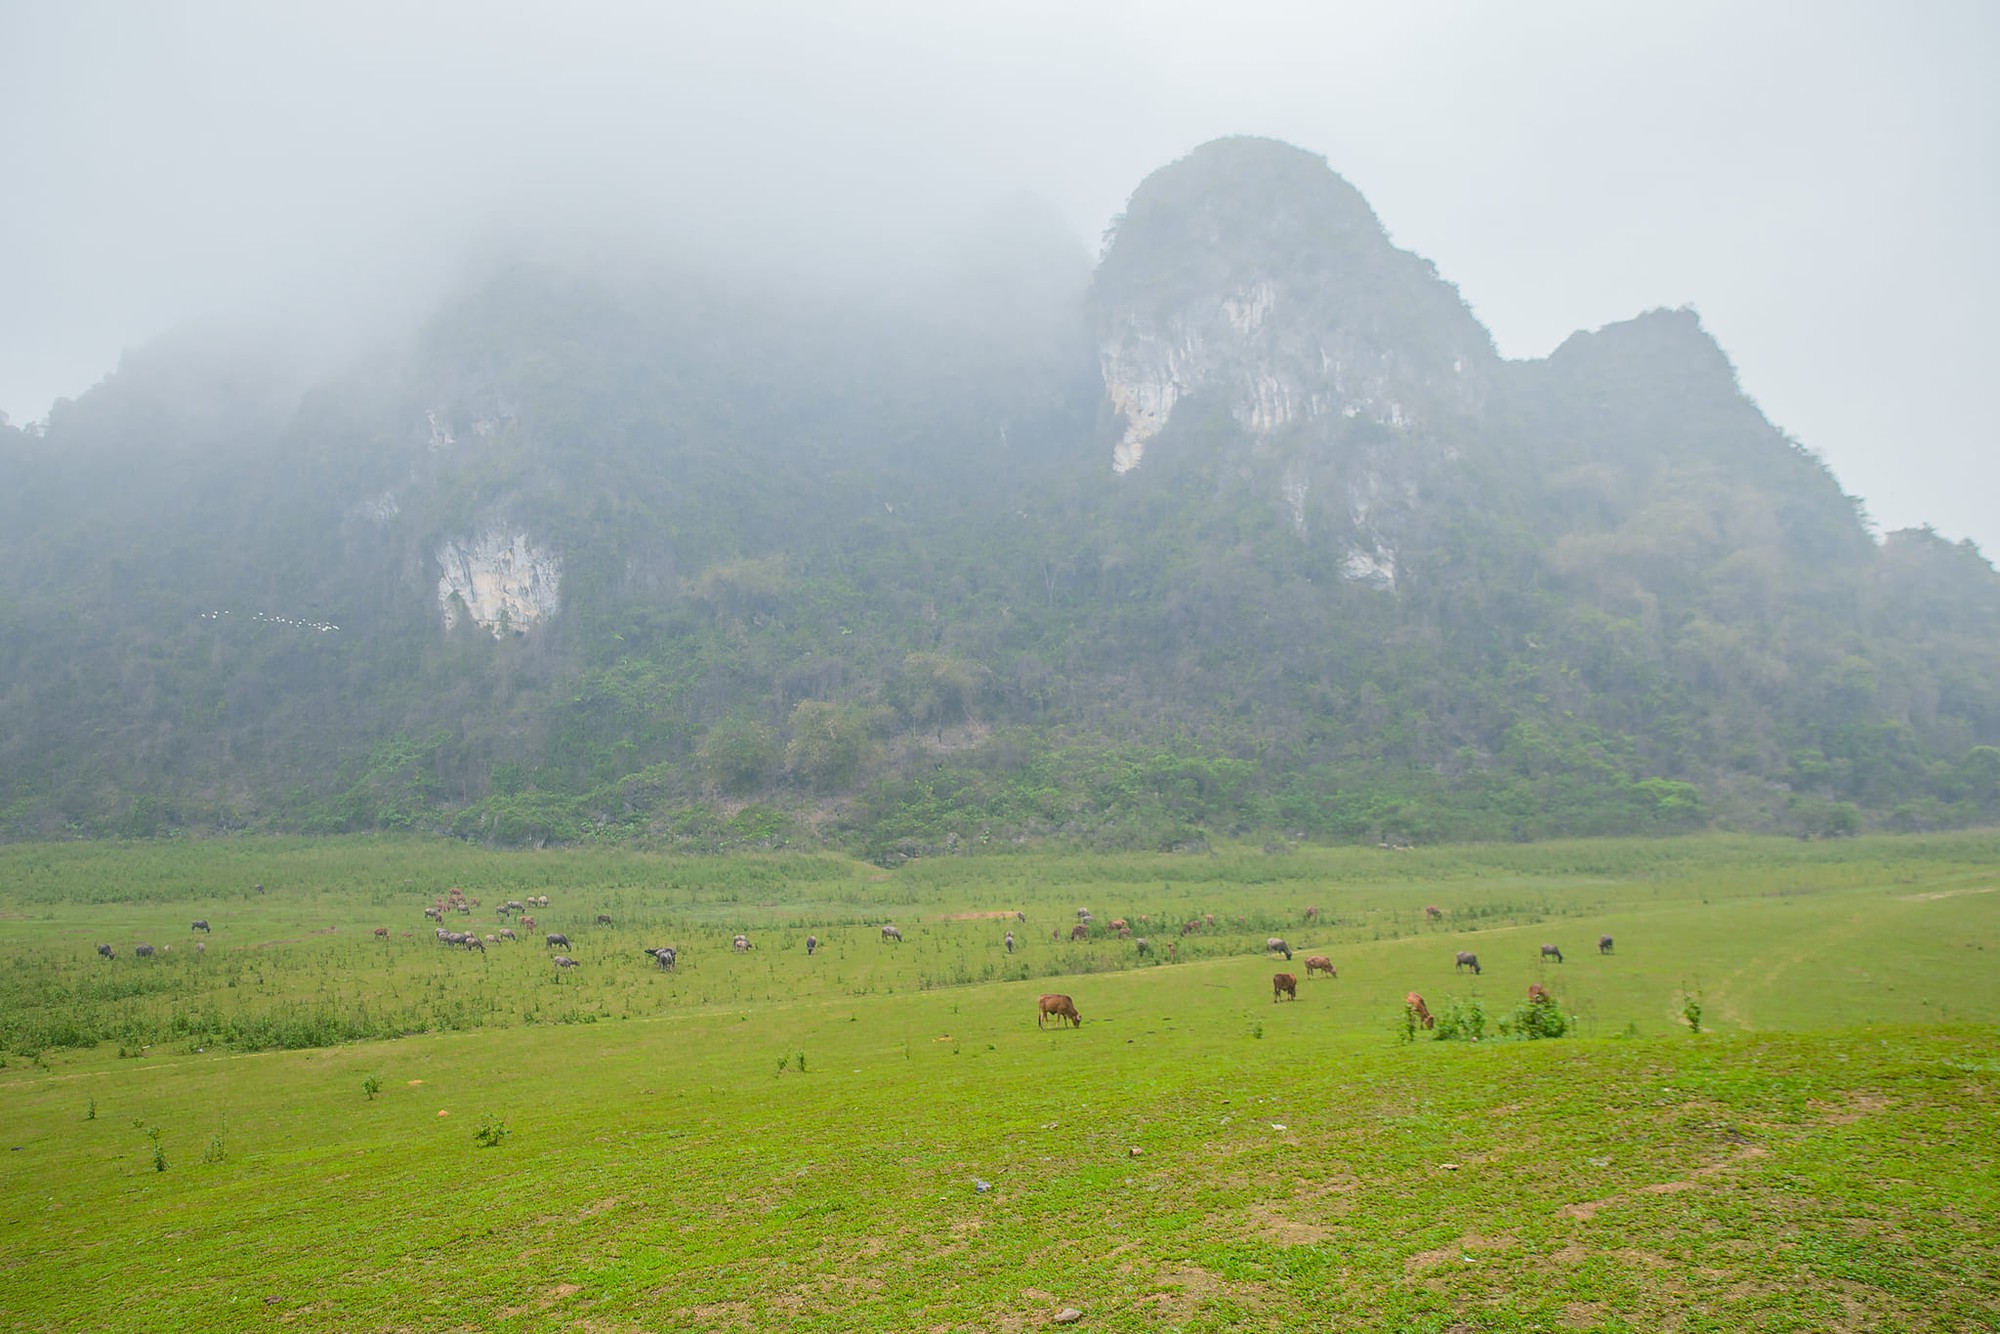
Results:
381 933
1418 1010
1062 1007
740 944
1604 944
564 961
1010 942
434 914
664 956
1277 945
1080 931
104 951
260 889
144 951
199 924
1433 913
604 919
473 942
812 943
1319 963
1467 959
890 933
1538 994
1141 946
1551 952
507 933
553 939
1284 984
514 905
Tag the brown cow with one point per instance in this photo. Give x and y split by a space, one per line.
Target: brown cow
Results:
1284 984
528 923
381 933
1062 1007
1312 914
1319 963
1119 924
1433 913
1538 994
1415 1005
1079 931
1189 928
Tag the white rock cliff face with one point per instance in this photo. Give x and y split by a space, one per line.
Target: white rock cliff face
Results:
501 580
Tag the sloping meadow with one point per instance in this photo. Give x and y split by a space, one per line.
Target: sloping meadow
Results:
1777 1106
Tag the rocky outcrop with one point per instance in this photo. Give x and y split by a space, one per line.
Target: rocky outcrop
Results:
1251 272
500 580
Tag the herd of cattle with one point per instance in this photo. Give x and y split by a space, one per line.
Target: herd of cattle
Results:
1284 986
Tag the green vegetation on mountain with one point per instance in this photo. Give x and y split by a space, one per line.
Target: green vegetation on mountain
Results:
858 570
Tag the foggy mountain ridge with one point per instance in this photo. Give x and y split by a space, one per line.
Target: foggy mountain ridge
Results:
1250 529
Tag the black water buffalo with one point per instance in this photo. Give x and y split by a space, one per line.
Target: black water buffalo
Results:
554 939
1010 942
812 943
890 933
604 919
105 952
199 924
664 956
1604 944
144 951
1467 959
1140 946
1277 945
1551 952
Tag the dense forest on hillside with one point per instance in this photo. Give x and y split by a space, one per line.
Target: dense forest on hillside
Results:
859 570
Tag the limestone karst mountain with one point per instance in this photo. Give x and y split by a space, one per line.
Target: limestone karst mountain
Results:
1251 530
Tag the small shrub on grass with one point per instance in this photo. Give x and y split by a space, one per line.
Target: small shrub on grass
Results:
159 1154
217 1150
90 1112
372 1086
1691 1011
1536 1019
1460 1021
801 1058
491 1133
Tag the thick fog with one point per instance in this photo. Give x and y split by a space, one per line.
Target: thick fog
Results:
1814 177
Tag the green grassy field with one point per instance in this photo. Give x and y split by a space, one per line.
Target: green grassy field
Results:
769 1140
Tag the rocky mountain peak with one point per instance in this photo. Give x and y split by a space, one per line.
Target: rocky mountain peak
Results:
1251 270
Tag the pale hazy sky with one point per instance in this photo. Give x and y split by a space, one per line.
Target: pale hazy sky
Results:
1817 178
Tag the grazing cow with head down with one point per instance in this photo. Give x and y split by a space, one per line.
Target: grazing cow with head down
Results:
1467 959
664 956
1604 944
740 944
1188 928
812 943
1319 963
507 933
104 951
200 924
604 919
381 933
1284 984
1433 913
1418 1010
1062 1007
564 961
144 951
1550 951
1079 932
553 939
1010 942
890 933
1119 924
1277 945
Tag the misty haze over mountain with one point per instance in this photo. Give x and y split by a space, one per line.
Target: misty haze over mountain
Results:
1812 178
